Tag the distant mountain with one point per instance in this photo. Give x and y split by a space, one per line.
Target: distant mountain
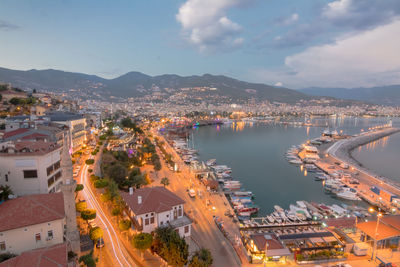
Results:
134 84
386 95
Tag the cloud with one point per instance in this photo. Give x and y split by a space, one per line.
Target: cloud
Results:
369 58
284 21
278 84
206 25
338 17
4 25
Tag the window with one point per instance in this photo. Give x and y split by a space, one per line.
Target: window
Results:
49 170
152 220
146 221
37 237
56 165
161 223
6 177
186 229
2 246
50 181
50 235
175 214
30 174
180 211
57 176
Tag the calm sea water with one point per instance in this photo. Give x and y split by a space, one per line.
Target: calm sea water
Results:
255 152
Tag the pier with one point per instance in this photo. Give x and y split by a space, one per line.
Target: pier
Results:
341 152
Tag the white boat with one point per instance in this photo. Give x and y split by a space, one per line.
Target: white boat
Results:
211 162
270 219
349 195
296 161
278 208
243 193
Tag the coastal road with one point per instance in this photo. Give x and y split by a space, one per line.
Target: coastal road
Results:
204 230
114 247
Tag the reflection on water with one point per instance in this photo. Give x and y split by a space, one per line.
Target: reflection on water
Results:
255 152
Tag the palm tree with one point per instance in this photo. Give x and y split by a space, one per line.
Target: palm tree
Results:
5 191
142 242
165 181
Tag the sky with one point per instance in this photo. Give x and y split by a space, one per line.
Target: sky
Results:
289 43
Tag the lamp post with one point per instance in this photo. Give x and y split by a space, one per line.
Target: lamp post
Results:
374 248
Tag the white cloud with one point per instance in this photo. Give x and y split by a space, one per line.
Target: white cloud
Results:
292 19
370 58
205 24
336 9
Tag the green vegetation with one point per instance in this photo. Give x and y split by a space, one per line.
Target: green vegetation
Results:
165 181
5 191
142 242
128 123
117 173
89 161
6 256
88 260
96 233
81 206
88 214
201 258
170 246
101 183
124 225
168 157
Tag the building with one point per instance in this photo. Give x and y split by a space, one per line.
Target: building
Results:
30 167
54 256
386 232
31 222
152 207
77 127
266 247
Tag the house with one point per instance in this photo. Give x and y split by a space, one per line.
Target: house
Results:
54 256
32 222
266 247
30 167
152 207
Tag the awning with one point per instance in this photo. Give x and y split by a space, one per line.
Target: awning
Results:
383 232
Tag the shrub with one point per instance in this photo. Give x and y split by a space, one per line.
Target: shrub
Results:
116 211
96 233
89 161
81 206
94 178
124 225
101 183
90 170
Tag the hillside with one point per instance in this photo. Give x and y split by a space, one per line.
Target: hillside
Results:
385 95
135 84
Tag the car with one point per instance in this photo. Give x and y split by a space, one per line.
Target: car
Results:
100 243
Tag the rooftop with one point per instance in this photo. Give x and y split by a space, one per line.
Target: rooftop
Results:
54 256
154 199
63 116
31 210
383 232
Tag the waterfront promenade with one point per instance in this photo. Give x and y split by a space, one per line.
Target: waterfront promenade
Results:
340 152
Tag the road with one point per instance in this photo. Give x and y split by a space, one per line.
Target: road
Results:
113 246
204 230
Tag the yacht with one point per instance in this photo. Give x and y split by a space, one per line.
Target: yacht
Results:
211 162
348 194
296 161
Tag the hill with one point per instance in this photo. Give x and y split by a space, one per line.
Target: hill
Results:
384 95
136 84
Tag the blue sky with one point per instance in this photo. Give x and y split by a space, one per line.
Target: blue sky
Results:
329 43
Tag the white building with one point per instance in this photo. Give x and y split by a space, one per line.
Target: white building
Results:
32 222
30 167
153 207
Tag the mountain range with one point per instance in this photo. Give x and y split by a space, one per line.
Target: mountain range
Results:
135 84
384 95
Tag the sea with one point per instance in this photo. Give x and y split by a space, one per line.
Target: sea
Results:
256 153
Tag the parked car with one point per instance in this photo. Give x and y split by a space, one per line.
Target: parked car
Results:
100 243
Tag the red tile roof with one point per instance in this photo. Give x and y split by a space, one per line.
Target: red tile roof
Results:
154 199
266 241
34 136
15 132
31 210
54 256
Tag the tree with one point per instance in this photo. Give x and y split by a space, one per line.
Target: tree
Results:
165 181
15 101
136 180
113 189
117 173
96 233
124 225
88 214
79 187
88 260
5 192
81 206
89 161
6 256
170 246
101 183
142 242
201 258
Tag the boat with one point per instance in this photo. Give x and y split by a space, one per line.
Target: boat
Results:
278 208
244 214
211 162
243 193
296 161
348 194
270 219
252 210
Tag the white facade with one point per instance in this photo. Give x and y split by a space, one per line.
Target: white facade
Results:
31 173
76 133
31 237
152 220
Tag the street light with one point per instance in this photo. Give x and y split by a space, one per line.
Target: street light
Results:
378 216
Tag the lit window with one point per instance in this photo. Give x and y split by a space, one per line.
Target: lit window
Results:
37 237
2 246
